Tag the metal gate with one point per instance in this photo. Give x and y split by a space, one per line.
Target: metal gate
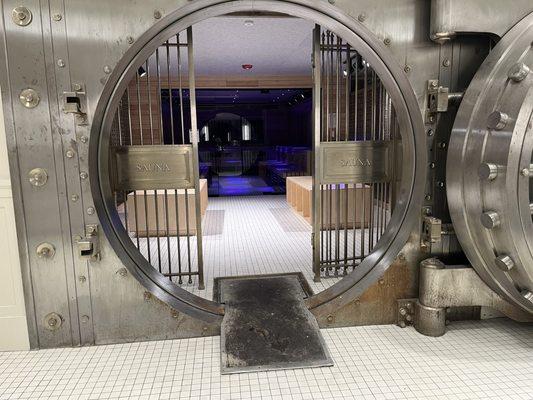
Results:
356 156
154 161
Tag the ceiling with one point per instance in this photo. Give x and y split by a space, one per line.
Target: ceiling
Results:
273 45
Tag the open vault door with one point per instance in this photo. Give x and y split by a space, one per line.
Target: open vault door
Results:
154 162
356 137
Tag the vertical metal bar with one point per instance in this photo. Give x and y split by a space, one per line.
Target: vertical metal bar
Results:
317 192
329 137
169 83
194 142
347 83
337 138
356 128
162 141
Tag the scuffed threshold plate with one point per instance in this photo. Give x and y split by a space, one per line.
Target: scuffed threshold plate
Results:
267 326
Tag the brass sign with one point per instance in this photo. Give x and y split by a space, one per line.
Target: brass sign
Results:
355 162
153 167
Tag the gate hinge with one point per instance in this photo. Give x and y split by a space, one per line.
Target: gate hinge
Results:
89 247
75 102
439 99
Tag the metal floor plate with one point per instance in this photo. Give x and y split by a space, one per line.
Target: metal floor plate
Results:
267 326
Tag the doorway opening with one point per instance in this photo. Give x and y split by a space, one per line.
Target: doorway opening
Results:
360 169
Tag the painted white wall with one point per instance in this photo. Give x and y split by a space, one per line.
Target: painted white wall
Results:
13 325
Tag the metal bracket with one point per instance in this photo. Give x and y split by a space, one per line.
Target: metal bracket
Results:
88 247
75 102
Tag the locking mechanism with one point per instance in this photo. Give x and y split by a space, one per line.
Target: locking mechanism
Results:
74 102
88 247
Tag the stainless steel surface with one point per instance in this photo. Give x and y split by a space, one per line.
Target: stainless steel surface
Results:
96 48
443 286
450 18
488 173
154 167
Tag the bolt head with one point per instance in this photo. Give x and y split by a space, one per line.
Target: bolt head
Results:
497 120
84 175
361 17
488 171
74 197
490 219
505 263
82 279
29 98
407 69
38 177
21 16
84 139
130 39
70 153
157 14
90 210
57 17
446 63
518 72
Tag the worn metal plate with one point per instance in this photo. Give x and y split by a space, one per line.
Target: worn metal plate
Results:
355 162
153 167
267 326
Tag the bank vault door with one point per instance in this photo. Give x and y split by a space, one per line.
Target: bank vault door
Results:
356 156
154 160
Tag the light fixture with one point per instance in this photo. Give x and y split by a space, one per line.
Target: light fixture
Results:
248 23
247 67
142 72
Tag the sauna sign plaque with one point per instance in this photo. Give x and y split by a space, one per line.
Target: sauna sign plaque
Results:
153 167
355 162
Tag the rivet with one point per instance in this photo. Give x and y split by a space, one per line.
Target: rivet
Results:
82 279
531 208
330 318
387 41
434 84
357 302
442 145
490 219
488 171
527 172
46 250
157 14
446 63
21 16
57 17
408 318
122 272
407 69
497 120
70 153
60 63
147 296
29 98
440 184
381 281
518 72
107 69
505 263
74 197
84 139
84 319
427 197
84 175
432 165
431 132
175 314
77 87
402 311
130 39
362 17
53 321
90 210
38 177
431 119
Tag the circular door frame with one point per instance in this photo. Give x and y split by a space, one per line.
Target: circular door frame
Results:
407 210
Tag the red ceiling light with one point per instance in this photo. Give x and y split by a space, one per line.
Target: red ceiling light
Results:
247 66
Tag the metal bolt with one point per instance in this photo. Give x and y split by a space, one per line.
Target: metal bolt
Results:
432 165
446 63
519 72
38 177
29 98
427 197
362 17
490 219
528 172
175 314
84 139
45 250
387 41
74 197
84 319
408 318
91 229
147 296
122 272
402 311
82 279
443 145
84 175
60 63
407 69
497 120
53 321
381 281
330 318
488 171
157 14
70 153
57 17
130 39
431 132
434 84
431 119
77 87
90 210
440 184
505 263
107 69
21 16
531 208
527 294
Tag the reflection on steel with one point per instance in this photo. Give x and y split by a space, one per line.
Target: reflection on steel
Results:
489 163
154 167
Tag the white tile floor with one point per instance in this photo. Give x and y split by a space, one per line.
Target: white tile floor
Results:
474 360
